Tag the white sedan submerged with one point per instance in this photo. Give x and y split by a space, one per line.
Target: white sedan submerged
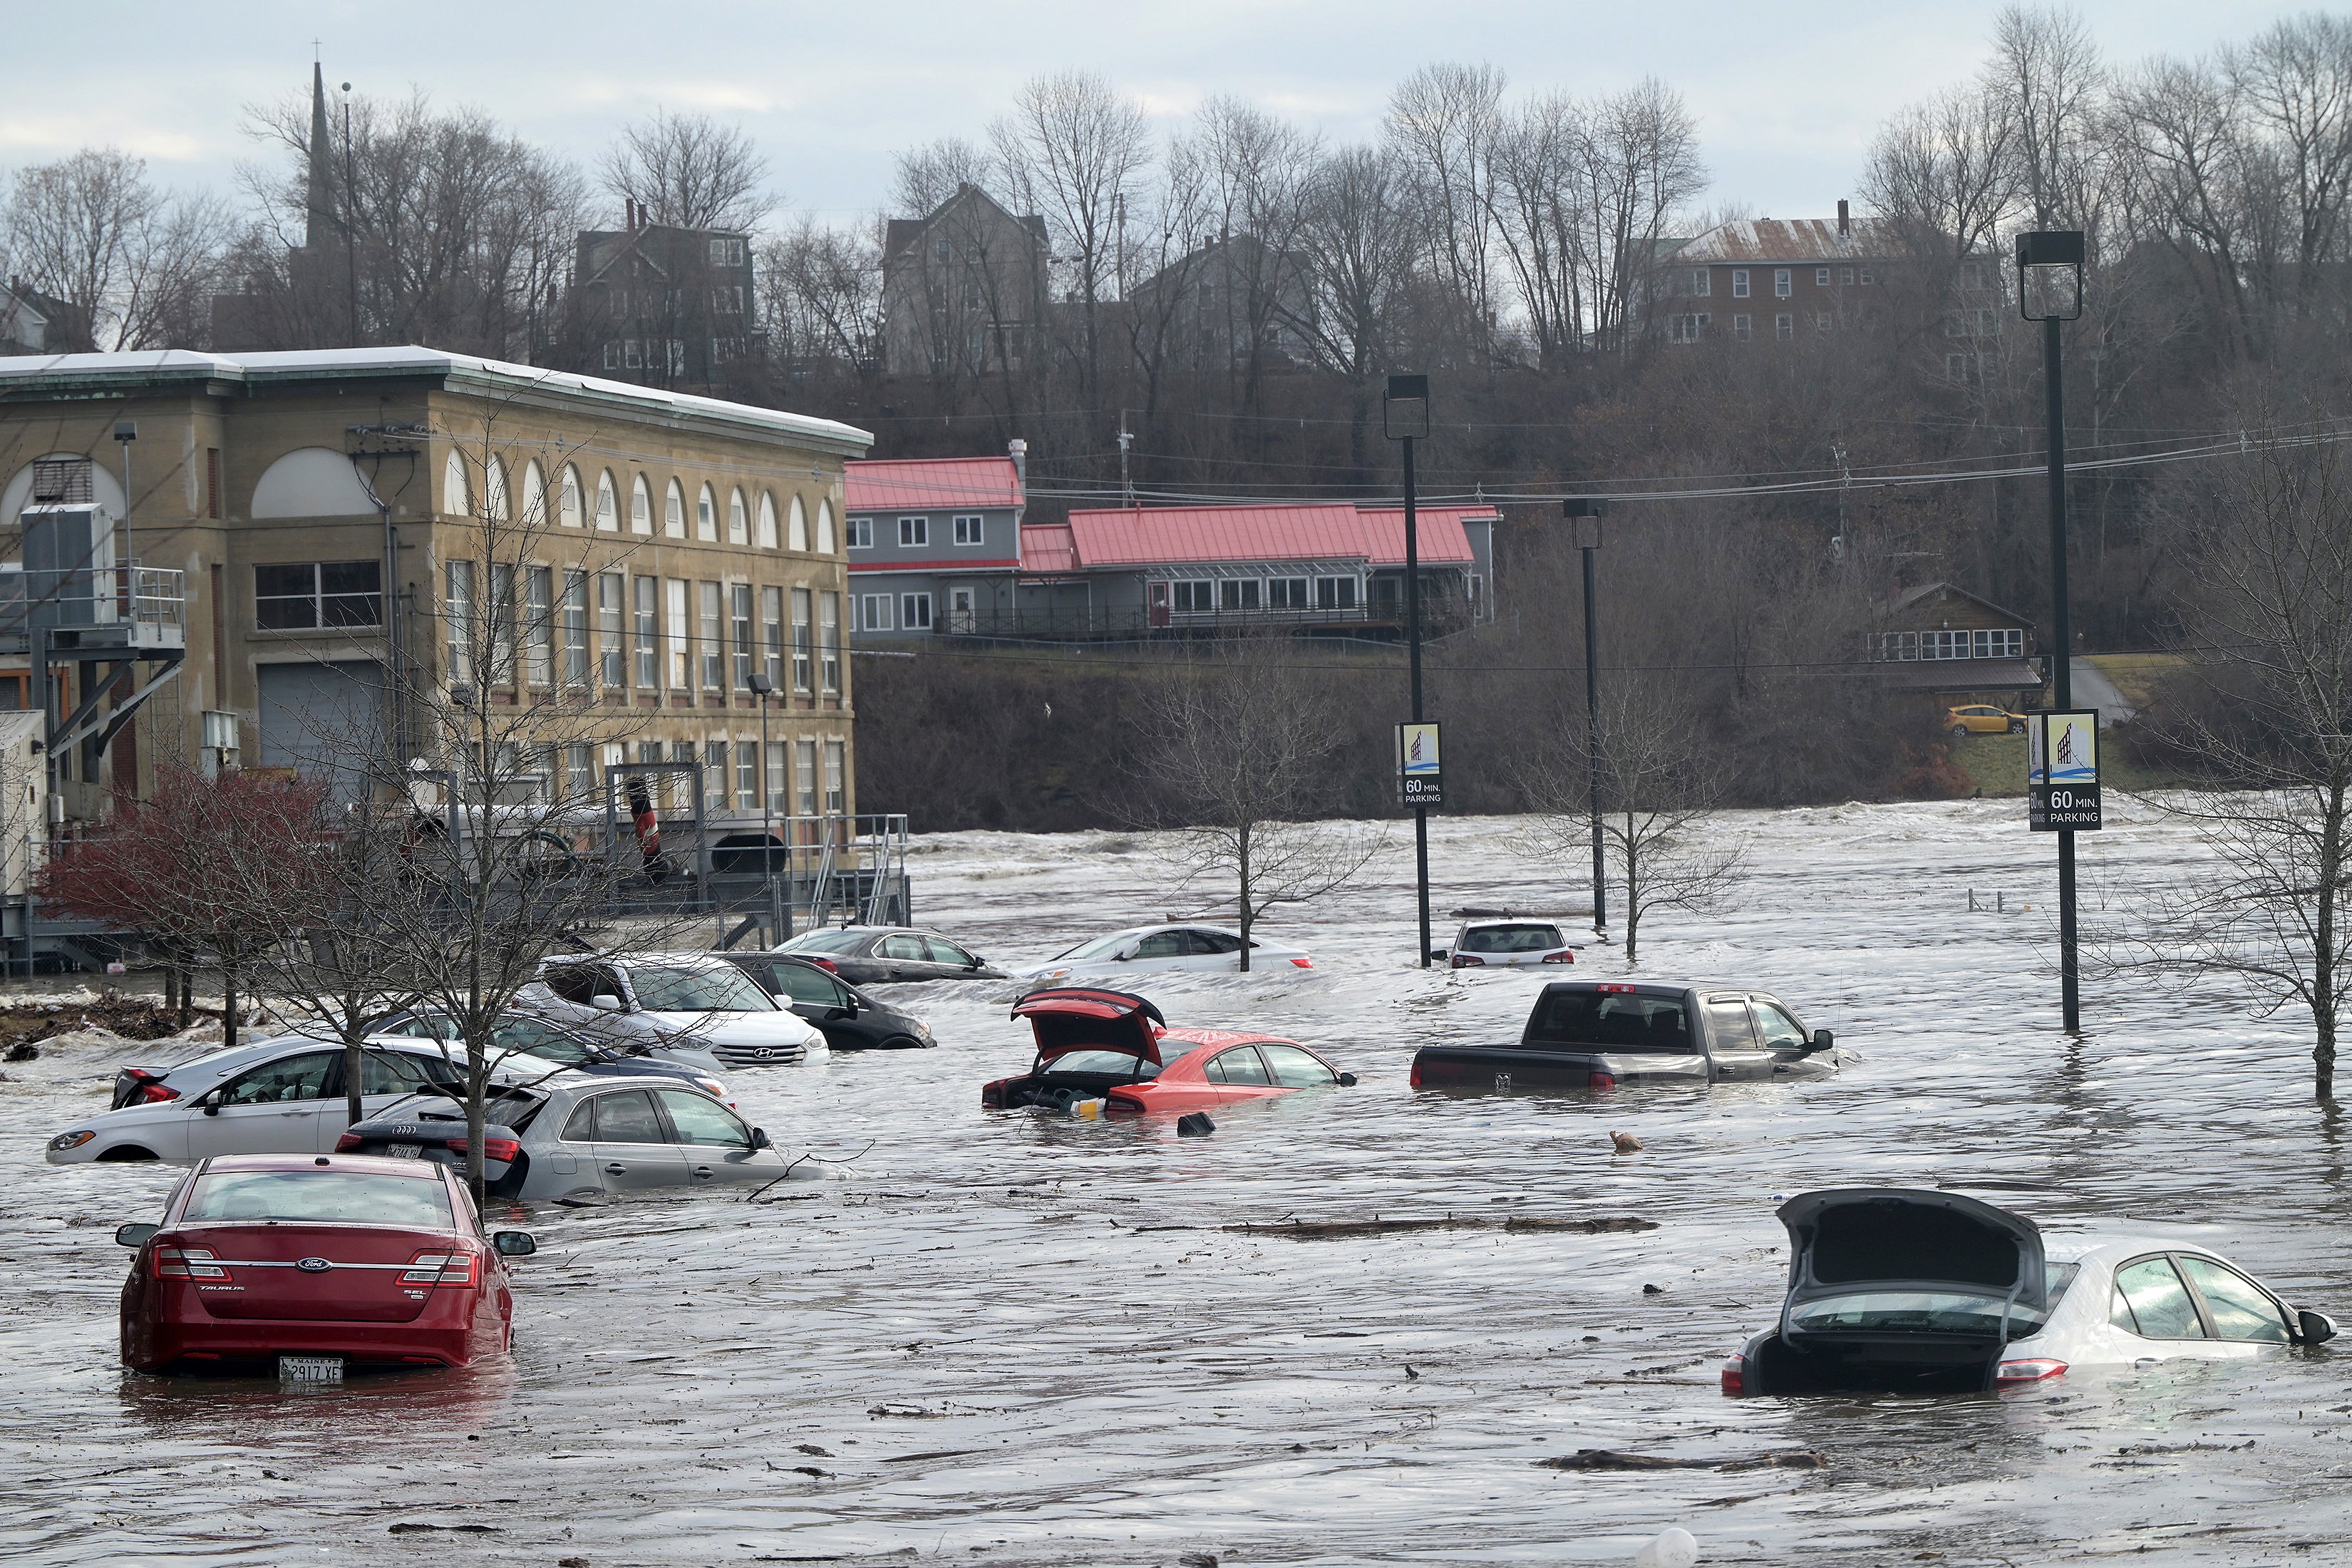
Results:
1150 949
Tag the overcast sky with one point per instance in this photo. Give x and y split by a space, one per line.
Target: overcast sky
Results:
1786 95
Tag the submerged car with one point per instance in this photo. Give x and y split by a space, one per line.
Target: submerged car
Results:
1507 943
877 955
671 1001
521 1035
849 1019
351 1259
1896 1289
1599 1033
1148 949
1115 1047
579 1137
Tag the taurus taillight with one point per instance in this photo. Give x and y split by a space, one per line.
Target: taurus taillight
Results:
439 1268
188 1263
1601 1081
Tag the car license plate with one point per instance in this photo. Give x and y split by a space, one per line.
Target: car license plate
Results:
404 1150
309 1369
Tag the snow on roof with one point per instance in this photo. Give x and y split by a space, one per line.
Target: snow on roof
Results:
882 484
32 374
1780 240
1308 531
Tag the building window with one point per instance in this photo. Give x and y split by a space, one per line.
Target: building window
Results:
861 532
641 506
1821 277
766 537
805 778
824 528
915 612
1956 368
317 596
740 595
771 637
648 632
1687 329
673 511
681 637
608 505
611 630
779 799
1195 598
970 530
1824 322
914 530
715 755
706 515
579 772
836 778
458 617
1999 643
1288 594
576 628
1335 593
1742 327
539 627
828 642
739 519
874 612
498 629
1847 278
1780 287
747 775
711 625
801 643
1701 281
1784 326
567 499
453 500
1237 594
1740 282
1866 275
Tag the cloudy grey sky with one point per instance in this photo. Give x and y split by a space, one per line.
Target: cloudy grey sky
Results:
1786 94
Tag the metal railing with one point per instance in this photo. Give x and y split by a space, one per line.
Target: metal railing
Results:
143 599
1093 622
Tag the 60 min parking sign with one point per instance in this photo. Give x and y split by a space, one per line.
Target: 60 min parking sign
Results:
2061 771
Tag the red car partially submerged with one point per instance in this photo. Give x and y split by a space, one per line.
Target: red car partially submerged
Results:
1114 1047
345 1257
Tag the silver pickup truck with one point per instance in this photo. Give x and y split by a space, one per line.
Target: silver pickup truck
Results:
1598 1033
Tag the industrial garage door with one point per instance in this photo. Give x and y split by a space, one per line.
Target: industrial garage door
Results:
322 720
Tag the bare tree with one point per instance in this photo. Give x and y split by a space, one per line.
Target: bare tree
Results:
2047 82
137 265
1357 240
691 171
1446 122
923 178
1941 176
820 296
1243 749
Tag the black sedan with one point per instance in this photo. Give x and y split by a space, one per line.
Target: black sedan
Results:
849 1019
875 955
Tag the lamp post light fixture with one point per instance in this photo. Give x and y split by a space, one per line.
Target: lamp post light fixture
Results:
1586 513
2050 291
1404 416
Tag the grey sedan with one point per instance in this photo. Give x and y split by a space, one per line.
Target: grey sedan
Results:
569 1140
877 955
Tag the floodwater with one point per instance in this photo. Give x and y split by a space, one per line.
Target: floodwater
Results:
1000 1339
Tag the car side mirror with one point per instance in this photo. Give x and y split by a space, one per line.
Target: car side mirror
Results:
1823 1039
2315 1328
515 1243
844 1010
974 961
211 1103
1439 954
1346 1080
605 1002
760 1139
137 1234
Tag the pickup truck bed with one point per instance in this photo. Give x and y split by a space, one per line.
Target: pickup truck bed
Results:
1590 1034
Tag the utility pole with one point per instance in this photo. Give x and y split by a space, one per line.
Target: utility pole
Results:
1586 514
1404 414
1125 441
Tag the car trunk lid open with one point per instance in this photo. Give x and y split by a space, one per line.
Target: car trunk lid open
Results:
1078 1018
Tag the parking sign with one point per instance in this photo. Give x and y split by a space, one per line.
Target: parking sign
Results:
1419 779
2061 771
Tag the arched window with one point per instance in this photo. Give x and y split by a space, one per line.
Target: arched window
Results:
494 490
739 531
453 500
641 506
534 495
673 511
567 504
706 514
608 503
767 521
309 481
798 538
824 528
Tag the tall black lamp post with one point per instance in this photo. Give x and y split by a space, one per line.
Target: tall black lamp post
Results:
1404 416
1586 514
2050 291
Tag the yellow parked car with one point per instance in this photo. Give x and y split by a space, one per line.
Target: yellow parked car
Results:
1981 720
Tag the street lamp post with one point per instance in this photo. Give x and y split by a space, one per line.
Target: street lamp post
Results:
1587 513
762 687
2050 291
1404 416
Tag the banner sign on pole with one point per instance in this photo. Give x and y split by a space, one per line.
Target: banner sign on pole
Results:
1419 781
2061 771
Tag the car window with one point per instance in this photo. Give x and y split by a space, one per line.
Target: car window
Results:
806 984
1294 1068
1781 1031
2151 1301
575 983
722 989
394 1072
416 1027
1610 1021
699 1121
1121 1063
1239 1065
1727 1028
1213 943
1099 947
1511 939
334 1197
824 942
579 1126
945 952
910 948
284 1080
2241 1308
1161 944
627 1117
542 1040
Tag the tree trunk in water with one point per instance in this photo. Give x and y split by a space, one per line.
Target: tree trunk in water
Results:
228 1006
2322 969
1246 908
1632 895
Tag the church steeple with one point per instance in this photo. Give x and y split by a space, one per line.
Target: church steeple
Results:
320 203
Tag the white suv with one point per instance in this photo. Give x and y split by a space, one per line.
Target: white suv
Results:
662 1000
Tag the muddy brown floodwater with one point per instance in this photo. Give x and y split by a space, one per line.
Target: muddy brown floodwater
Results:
1001 1339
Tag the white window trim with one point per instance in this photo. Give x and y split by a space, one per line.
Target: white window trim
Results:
914 533
978 528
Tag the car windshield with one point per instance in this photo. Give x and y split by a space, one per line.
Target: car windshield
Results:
1122 1063
1914 1311
320 1196
1511 939
727 990
1100 947
1611 1021
824 942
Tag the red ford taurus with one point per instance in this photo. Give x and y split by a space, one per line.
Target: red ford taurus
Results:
344 1256
1114 1047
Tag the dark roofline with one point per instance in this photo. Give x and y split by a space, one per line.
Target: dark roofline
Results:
1905 601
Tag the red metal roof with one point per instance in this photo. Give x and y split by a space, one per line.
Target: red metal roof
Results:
929 484
1308 531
